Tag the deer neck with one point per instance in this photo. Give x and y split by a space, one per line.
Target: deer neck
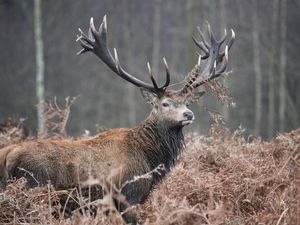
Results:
162 144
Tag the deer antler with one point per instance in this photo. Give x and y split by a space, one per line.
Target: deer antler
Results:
96 42
216 63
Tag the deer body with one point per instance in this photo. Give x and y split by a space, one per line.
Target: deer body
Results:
119 155
126 152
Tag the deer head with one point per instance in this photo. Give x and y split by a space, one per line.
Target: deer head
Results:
170 106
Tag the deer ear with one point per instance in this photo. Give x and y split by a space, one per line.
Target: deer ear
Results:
149 96
194 97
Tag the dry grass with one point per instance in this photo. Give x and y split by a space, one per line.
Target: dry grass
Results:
220 179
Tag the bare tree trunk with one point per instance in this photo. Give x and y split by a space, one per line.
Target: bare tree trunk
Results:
282 67
156 36
40 65
257 69
272 69
292 112
225 109
190 15
130 88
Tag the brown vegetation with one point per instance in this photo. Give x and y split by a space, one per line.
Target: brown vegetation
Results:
222 178
56 118
12 131
229 180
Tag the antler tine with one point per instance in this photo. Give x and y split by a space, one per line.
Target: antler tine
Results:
213 39
167 74
85 45
90 35
103 25
160 90
223 67
224 37
86 38
92 26
202 38
117 60
199 60
96 42
229 42
151 76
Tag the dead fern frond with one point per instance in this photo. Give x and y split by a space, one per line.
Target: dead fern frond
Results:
12 131
56 118
222 93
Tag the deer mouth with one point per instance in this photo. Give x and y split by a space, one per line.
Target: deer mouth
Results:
186 122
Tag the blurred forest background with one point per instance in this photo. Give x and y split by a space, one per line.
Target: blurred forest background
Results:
265 59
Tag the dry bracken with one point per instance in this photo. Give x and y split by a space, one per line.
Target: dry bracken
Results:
228 180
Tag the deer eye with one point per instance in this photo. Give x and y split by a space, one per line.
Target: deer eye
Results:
165 104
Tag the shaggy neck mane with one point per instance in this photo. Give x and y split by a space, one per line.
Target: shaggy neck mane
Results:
160 144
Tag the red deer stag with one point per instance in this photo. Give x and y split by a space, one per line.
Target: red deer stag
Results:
129 151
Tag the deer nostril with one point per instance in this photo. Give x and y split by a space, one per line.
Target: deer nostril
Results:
189 115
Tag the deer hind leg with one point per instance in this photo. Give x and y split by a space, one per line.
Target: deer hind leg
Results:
3 177
3 167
